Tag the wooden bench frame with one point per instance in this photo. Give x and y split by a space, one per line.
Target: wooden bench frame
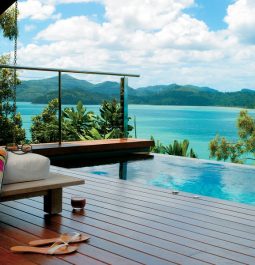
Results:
51 188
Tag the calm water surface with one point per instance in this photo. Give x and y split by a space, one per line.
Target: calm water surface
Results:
208 178
167 123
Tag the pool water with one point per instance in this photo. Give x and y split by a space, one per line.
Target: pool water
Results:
203 177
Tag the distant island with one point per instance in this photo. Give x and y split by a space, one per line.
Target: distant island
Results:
42 91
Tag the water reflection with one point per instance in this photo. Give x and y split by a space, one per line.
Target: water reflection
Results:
123 170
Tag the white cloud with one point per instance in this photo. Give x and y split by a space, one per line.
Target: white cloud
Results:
43 9
72 29
152 37
241 20
34 9
146 14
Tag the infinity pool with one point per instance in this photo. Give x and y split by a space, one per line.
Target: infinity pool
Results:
209 178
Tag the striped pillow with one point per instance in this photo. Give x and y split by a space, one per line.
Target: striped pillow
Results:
3 160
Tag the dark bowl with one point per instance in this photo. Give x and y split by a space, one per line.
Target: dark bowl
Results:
78 202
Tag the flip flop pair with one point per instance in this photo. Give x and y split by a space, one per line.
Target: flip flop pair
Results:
55 249
60 245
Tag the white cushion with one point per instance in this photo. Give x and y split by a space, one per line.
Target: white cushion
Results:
27 167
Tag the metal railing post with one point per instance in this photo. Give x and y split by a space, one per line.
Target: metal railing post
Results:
124 105
59 108
123 91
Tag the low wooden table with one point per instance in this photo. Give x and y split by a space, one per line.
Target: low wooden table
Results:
50 188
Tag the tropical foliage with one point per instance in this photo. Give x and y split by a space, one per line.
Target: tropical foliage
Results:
44 126
109 121
177 148
9 120
110 118
77 123
240 150
8 24
158 147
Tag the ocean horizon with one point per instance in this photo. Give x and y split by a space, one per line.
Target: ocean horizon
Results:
198 124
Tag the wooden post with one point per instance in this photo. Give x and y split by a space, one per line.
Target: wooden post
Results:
53 201
124 105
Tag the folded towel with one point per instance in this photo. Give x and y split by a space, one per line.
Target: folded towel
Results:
27 167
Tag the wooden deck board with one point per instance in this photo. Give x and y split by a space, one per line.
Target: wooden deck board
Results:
37 228
161 200
163 240
164 193
133 224
181 223
172 204
9 239
97 147
163 209
209 217
130 248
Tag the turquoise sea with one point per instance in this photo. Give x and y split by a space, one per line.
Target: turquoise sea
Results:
167 123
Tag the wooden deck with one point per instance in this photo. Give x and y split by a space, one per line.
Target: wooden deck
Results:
94 149
133 224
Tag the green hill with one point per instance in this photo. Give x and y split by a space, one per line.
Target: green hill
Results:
42 91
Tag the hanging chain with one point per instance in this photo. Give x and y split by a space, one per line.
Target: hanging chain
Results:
15 63
15 51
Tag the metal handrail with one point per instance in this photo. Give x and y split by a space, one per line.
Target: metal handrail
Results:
123 90
65 70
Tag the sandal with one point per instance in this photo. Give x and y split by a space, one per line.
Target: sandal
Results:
64 238
55 249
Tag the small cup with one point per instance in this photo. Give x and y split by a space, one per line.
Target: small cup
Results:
78 202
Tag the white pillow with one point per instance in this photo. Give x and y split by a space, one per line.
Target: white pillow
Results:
27 167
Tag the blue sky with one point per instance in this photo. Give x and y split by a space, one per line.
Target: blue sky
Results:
200 42
94 10
212 12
